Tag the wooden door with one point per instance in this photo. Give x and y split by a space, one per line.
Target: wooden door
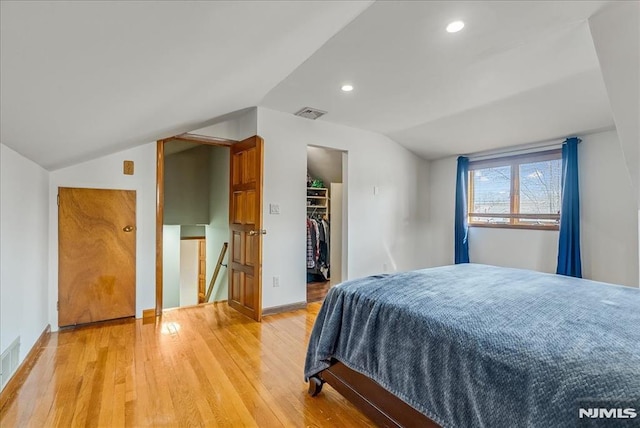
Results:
245 225
96 255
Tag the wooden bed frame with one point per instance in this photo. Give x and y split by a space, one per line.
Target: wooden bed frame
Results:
381 406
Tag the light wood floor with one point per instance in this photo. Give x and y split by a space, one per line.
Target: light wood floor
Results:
200 366
317 291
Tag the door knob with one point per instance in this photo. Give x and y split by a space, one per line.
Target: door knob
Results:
257 232
128 228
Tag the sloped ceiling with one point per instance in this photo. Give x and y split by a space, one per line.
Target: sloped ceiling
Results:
325 164
518 72
81 79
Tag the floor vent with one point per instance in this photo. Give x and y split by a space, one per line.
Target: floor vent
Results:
9 362
310 113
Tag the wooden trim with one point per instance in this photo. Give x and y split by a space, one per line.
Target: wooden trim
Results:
203 139
160 156
202 268
381 406
517 215
284 308
513 162
159 222
260 197
516 226
186 238
514 202
10 391
148 313
197 305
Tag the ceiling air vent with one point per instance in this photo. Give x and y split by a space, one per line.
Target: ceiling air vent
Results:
310 113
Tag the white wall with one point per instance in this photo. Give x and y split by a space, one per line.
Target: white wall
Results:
617 42
106 173
524 249
609 227
442 202
217 232
24 223
188 272
237 125
383 229
171 266
609 222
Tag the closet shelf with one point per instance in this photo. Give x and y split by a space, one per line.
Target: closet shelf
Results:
317 200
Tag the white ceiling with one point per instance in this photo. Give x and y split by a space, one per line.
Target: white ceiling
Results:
518 72
82 79
325 164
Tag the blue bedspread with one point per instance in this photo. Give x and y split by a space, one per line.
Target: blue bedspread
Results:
481 346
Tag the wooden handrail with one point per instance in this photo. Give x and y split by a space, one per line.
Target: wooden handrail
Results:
223 251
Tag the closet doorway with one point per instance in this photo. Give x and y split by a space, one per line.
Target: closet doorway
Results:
195 221
326 230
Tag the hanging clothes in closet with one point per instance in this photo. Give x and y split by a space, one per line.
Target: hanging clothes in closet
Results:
318 247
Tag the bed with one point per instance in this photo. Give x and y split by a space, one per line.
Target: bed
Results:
477 346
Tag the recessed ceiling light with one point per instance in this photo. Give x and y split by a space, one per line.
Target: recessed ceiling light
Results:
347 88
455 26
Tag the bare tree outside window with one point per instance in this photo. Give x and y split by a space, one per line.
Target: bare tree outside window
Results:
519 191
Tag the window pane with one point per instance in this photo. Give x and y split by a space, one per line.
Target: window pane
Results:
540 187
492 191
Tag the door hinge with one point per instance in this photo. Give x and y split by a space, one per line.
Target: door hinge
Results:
58 199
58 305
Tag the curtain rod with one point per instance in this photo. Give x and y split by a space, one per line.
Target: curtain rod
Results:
518 150
531 147
498 153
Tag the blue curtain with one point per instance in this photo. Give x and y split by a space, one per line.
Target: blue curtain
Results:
569 245
461 226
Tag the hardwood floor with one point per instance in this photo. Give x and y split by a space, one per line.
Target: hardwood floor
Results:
316 291
198 366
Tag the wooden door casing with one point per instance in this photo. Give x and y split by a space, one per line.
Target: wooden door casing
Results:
96 255
202 269
245 215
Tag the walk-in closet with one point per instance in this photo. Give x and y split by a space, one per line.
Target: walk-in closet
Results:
324 199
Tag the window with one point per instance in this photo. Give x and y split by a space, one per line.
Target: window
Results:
519 191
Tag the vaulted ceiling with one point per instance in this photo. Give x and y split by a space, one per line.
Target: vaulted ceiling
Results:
82 79
518 72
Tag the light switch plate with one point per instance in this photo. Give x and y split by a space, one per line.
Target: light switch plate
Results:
274 209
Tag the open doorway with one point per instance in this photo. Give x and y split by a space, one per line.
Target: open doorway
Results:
326 209
195 226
